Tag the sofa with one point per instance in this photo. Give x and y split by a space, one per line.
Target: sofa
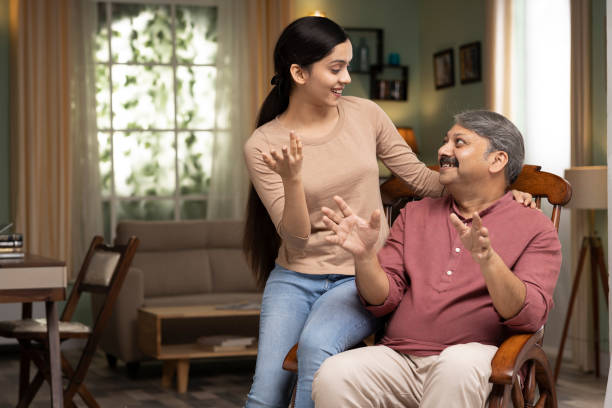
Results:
180 263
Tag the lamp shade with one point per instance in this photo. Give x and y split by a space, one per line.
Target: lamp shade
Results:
589 187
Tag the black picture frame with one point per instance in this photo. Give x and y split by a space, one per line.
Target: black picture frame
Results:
470 63
444 68
373 38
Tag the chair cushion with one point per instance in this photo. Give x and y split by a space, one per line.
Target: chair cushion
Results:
40 326
101 268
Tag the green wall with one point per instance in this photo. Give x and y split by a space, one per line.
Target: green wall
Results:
459 23
5 214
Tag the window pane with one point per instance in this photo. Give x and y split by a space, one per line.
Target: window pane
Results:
106 214
104 149
193 209
101 45
196 97
195 161
145 210
144 163
141 33
142 97
102 96
196 34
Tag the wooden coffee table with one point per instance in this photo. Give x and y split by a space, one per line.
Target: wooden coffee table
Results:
176 356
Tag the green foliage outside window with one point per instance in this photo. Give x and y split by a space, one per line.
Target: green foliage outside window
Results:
155 101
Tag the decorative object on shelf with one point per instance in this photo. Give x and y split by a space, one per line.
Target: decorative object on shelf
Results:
394 58
444 69
370 40
470 63
389 82
363 56
590 192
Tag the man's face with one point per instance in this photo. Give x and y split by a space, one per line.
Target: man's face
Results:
462 157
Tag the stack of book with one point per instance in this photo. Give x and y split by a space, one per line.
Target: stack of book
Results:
11 246
226 342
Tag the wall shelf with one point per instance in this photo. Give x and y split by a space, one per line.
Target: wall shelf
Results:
389 82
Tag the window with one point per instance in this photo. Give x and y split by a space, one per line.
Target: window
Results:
156 69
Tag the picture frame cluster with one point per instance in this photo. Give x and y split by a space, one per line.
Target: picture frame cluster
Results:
470 65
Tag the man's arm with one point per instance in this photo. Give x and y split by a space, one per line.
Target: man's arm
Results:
359 237
507 291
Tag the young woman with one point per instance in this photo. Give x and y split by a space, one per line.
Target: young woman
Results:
312 143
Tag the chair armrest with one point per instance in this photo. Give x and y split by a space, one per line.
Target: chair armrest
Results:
291 362
511 356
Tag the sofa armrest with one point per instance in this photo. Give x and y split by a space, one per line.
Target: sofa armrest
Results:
120 335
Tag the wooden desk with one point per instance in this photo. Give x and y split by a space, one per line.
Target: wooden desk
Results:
38 279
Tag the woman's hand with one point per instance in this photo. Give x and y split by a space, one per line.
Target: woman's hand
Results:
351 232
524 198
287 163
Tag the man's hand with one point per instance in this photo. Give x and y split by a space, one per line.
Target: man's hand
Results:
475 238
287 163
352 233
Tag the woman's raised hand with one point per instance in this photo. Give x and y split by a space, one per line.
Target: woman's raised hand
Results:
288 162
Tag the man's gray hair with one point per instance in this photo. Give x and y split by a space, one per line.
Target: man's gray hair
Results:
502 135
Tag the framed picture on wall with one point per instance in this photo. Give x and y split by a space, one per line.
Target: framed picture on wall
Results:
470 63
444 69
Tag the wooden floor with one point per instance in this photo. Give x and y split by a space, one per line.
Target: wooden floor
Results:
221 384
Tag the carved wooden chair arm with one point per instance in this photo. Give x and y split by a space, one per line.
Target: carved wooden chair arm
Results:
511 355
291 362
521 356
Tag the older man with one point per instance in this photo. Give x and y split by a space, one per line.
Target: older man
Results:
458 275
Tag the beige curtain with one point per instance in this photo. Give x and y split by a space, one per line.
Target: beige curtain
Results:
581 155
48 168
40 132
267 19
249 29
498 66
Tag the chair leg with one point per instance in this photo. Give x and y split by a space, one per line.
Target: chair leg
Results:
111 360
31 391
90 401
24 368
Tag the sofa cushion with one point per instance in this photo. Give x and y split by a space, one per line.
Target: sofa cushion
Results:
168 273
230 272
178 235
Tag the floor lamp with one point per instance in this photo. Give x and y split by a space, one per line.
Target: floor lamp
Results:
589 192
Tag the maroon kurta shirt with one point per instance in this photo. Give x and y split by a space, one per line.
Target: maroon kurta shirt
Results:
436 291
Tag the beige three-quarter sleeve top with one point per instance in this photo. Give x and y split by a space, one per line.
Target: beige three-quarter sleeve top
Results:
342 163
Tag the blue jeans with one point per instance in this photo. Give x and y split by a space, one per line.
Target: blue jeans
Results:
320 312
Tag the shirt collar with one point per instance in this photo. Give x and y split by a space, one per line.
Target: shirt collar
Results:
503 200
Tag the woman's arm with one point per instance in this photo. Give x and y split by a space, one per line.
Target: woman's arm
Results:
287 164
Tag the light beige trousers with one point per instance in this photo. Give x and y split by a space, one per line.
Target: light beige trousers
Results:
378 376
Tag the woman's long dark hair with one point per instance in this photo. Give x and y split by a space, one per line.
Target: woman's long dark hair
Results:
303 42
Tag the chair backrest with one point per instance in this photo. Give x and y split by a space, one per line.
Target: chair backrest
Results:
531 180
542 184
102 271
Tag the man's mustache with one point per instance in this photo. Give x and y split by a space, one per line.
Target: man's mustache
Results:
452 161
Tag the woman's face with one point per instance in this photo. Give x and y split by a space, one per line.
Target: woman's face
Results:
326 78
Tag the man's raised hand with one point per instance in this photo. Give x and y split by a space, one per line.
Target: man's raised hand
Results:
352 232
475 238
287 163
